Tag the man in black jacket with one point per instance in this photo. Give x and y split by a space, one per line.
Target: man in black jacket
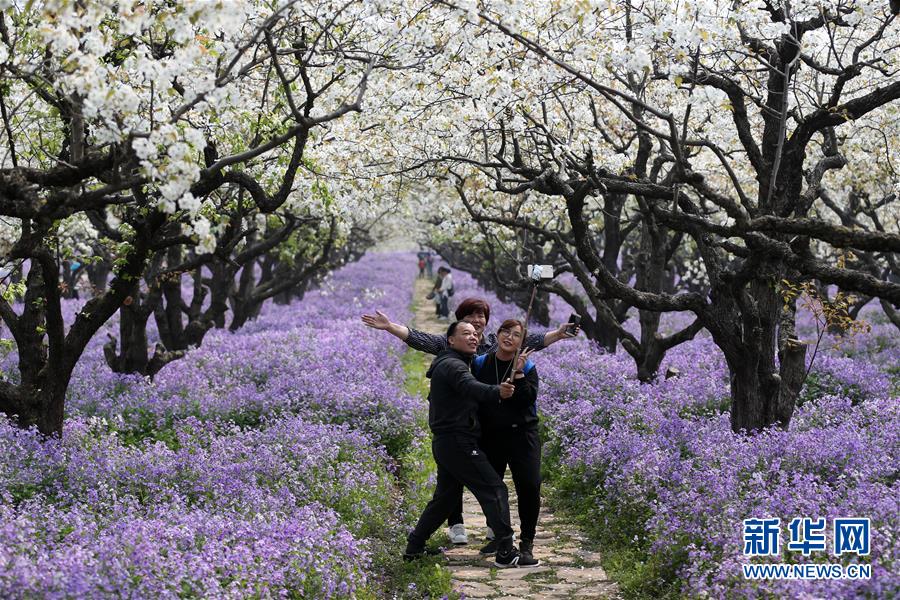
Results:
453 418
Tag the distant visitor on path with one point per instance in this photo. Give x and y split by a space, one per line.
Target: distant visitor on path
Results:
453 418
443 289
422 257
477 312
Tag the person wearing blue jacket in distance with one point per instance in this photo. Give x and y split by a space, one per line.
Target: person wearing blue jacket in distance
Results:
453 402
509 429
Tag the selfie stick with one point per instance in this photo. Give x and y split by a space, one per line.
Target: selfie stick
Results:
535 278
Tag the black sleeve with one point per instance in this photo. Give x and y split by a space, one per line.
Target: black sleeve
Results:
526 389
465 383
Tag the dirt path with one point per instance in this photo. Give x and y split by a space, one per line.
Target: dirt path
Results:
567 570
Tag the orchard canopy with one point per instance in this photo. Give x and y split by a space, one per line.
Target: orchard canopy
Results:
199 199
191 160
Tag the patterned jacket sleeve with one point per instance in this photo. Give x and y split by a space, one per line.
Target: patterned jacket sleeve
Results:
426 342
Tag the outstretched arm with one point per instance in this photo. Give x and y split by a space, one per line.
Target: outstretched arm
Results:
426 342
381 321
415 339
551 337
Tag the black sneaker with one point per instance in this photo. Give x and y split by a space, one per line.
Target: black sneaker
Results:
513 559
491 548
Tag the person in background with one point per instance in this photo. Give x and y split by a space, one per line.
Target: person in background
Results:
444 292
421 266
429 265
453 402
435 294
477 312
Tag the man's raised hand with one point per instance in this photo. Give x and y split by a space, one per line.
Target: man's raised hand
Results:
377 321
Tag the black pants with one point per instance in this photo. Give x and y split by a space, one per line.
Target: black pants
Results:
520 449
460 462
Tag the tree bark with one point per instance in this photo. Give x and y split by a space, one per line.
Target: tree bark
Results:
98 275
892 313
132 342
792 376
749 401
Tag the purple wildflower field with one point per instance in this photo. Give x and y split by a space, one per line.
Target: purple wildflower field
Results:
658 462
263 464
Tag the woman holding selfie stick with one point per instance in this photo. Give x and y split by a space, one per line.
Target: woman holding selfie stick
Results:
477 312
509 428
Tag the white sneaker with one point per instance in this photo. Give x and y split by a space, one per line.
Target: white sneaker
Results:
458 534
490 533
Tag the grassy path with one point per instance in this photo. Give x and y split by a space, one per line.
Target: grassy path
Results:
569 569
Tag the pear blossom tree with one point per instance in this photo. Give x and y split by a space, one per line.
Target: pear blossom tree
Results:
289 257
787 92
517 102
643 257
724 126
147 118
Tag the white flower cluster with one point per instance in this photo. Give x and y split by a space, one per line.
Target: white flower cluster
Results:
169 158
462 83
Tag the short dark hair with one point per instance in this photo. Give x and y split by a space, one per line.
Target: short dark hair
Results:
470 306
443 268
451 330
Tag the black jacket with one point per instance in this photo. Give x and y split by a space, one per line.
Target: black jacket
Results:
518 411
455 395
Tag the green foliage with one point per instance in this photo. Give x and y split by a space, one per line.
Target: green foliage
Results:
712 407
122 250
894 374
414 366
819 384
323 194
142 426
423 578
13 291
20 491
828 315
